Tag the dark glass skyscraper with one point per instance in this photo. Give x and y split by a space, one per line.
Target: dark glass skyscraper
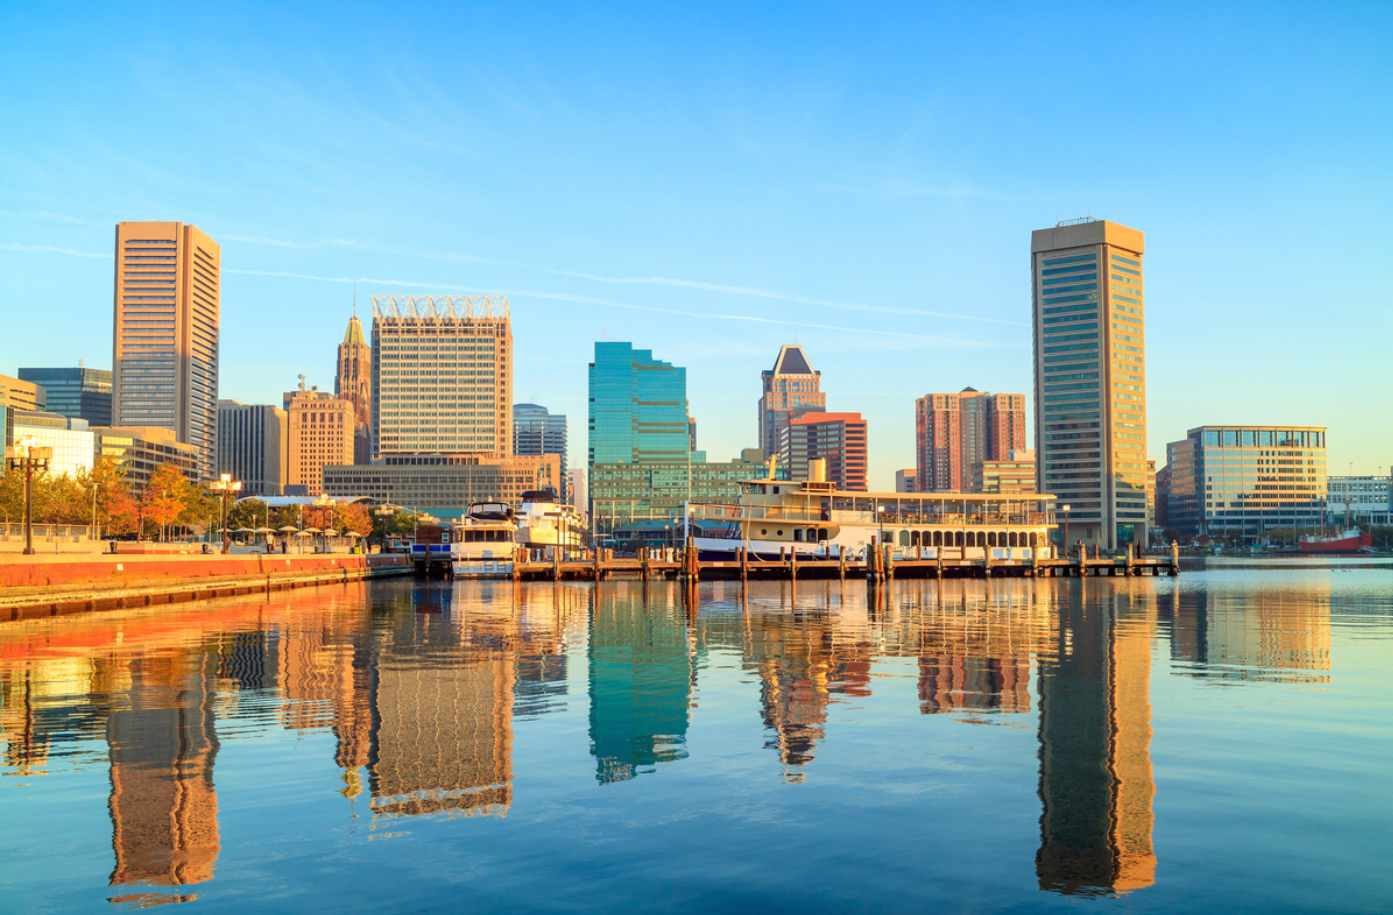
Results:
77 393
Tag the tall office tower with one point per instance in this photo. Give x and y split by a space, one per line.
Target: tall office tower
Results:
539 431
791 388
77 393
956 433
442 375
321 434
353 383
638 408
1090 377
165 349
252 439
838 438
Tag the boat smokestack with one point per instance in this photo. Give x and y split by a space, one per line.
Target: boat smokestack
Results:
817 470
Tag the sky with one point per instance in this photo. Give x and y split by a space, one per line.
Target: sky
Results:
711 181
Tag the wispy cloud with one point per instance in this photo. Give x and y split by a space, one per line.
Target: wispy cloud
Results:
773 295
18 248
47 216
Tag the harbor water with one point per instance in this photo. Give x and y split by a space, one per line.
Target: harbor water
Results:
1220 741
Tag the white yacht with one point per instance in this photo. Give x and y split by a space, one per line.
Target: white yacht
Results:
545 523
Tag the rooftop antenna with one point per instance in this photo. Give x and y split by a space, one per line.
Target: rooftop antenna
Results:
355 298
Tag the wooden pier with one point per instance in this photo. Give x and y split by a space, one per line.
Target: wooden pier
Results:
880 564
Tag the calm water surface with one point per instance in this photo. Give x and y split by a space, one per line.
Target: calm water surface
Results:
1224 741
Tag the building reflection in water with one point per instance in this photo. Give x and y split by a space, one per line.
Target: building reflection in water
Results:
641 677
1096 786
420 686
162 744
1276 634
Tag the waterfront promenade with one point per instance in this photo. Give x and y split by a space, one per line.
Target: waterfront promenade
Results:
64 583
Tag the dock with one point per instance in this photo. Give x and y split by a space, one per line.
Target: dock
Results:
879 565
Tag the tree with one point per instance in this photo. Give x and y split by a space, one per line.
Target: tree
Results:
166 497
248 513
352 517
115 507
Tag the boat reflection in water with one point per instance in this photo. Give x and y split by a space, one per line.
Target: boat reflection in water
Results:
419 686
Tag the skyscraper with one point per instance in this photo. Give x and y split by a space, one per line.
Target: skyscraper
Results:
252 441
77 393
321 434
539 431
1090 376
837 438
638 407
956 433
353 383
165 346
791 388
641 468
442 375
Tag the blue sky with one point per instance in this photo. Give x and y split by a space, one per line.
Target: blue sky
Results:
711 182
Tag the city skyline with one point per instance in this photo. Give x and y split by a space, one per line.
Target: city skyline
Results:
882 222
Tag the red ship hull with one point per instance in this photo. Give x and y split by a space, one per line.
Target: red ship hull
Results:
1354 543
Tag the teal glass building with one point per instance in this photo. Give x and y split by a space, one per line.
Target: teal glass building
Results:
638 408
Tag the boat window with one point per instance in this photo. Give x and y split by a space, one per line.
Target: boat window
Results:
798 534
821 533
780 532
763 531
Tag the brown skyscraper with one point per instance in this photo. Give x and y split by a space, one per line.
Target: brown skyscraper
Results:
321 433
353 383
791 388
955 433
165 340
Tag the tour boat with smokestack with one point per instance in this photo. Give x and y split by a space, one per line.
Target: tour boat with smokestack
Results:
813 518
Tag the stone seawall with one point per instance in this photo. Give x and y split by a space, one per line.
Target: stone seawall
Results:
50 585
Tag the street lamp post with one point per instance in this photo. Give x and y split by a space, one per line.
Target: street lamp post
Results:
384 511
27 457
1065 509
225 487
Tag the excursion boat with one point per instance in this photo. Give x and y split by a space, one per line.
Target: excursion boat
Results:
545 523
815 519
482 543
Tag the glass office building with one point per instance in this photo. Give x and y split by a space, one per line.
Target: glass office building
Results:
77 392
73 443
638 408
1244 482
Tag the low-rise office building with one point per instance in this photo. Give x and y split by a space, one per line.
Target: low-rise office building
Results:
1360 499
653 495
1245 482
72 441
1014 474
140 449
443 485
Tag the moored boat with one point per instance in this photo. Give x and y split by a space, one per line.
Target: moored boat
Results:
813 518
1349 541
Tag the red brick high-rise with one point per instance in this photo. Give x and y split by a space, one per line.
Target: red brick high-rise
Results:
838 438
955 433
